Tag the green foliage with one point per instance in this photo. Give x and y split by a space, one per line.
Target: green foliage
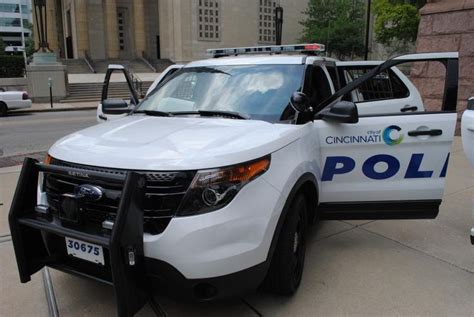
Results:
2 47
30 46
12 66
396 22
339 24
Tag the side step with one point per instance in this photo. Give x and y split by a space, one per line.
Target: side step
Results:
124 246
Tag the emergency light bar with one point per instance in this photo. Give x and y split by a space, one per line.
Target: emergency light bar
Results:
313 47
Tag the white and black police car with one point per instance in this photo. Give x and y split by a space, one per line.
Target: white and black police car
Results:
207 187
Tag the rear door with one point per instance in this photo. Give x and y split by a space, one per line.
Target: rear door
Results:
388 165
388 92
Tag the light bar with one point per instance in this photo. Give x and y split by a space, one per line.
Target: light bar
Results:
270 49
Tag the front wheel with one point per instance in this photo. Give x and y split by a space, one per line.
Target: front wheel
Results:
286 268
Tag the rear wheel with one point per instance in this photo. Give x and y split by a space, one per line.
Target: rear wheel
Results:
3 109
286 268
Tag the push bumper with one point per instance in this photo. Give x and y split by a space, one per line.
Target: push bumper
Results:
34 235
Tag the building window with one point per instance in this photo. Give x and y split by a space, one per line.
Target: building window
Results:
208 21
12 22
267 21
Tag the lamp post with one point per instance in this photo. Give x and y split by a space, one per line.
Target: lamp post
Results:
278 24
22 32
367 29
41 25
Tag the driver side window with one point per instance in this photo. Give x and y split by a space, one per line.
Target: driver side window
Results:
317 87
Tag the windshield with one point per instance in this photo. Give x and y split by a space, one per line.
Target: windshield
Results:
261 92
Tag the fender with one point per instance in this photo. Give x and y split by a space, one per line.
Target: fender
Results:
307 178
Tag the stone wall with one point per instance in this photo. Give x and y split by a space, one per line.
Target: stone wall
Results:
13 84
446 25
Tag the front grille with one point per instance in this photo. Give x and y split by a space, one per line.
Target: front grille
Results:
163 195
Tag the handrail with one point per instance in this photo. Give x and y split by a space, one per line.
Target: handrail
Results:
138 83
146 60
89 62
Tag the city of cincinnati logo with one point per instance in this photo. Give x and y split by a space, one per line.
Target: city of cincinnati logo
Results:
387 138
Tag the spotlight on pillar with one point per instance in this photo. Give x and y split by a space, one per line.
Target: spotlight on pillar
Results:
278 24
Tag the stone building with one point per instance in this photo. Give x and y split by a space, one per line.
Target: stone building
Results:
178 30
446 25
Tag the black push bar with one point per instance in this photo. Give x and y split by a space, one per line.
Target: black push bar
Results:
124 244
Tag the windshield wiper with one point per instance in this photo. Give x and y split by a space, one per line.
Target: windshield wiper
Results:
155 113
202 113
223 113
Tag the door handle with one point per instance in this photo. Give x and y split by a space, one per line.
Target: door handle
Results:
408 108
432 132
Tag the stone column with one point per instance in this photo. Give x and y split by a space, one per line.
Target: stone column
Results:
139 27
52 25
111 28
82 31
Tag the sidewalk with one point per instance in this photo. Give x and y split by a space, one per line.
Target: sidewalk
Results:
389 268
58 106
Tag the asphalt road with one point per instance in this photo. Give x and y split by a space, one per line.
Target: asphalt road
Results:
23 133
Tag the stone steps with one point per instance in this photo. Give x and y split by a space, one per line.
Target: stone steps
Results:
76 66
82 92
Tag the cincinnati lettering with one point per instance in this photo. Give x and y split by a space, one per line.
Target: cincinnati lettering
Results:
350 139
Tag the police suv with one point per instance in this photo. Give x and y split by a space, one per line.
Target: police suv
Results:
207 187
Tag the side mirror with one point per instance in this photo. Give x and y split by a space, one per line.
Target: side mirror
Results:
115 106
300 102
342 112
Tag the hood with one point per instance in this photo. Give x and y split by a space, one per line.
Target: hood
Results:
182 143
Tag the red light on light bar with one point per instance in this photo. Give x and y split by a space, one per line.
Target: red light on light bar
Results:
312 47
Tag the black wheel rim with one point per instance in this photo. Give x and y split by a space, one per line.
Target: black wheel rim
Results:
299 243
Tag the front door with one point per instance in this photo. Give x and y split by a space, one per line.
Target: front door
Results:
387 165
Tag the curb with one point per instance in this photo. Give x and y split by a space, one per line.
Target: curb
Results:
54 109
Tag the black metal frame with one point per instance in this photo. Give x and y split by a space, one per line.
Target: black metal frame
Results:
128 279
129 79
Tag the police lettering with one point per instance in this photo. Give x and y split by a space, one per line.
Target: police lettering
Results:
338 165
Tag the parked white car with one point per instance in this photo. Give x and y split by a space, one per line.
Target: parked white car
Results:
12 100
207 188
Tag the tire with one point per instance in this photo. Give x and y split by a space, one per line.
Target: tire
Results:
286 267
3 109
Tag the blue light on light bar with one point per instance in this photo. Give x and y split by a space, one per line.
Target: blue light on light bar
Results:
313 47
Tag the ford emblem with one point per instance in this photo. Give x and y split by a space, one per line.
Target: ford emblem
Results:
88 192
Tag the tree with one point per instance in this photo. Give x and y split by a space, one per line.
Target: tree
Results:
396 22
339 24
2 47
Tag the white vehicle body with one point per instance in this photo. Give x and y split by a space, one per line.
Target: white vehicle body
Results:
14 100
386 164
467 135
148 143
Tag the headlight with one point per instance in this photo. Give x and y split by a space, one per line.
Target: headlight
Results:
214 188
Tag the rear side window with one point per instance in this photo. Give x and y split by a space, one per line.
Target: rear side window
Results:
386 85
